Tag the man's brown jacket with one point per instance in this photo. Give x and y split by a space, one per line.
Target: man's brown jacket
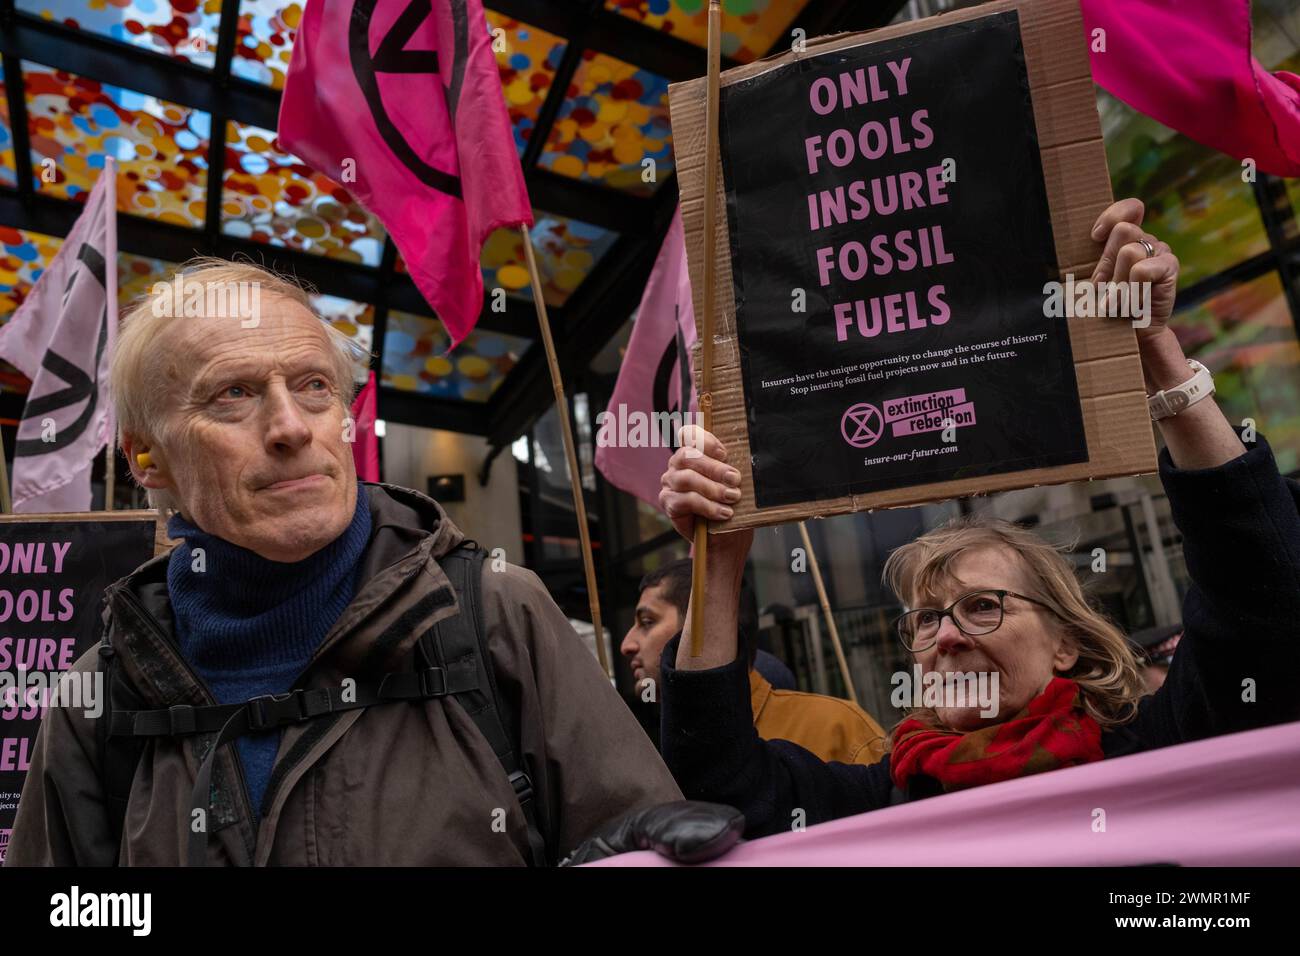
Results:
394 784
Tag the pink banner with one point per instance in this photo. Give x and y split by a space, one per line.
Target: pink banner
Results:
1227 801
1188 64
401 104
62 339
654 389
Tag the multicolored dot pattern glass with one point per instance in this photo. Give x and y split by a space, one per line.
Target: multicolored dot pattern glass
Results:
416 359
749 27
8 170
271 196
567 251
527 59
354 319
613 120
23 257
137 275
264 40
161 148
183 29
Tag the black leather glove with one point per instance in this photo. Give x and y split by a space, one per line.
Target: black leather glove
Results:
688 831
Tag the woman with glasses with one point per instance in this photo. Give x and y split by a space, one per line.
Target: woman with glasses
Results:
992 607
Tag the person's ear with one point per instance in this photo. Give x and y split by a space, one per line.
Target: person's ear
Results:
145 461
1066 656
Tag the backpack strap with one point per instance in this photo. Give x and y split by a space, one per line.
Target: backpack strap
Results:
118 756
460 643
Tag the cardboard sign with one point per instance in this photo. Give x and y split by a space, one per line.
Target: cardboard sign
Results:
53 571
896 203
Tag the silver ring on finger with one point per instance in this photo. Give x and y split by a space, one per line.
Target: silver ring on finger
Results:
1151 250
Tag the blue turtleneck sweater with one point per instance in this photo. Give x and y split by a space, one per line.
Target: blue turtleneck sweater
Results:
248 626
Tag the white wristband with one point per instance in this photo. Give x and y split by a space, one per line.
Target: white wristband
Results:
1171 401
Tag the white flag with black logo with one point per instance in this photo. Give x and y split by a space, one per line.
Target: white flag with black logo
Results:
61 338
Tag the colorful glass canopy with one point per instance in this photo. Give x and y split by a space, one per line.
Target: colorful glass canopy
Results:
749 27
161 147
145 81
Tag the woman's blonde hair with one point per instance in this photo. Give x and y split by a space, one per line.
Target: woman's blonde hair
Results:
1107 669
138 372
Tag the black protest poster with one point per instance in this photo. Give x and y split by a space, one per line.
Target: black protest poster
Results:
890 242
52 577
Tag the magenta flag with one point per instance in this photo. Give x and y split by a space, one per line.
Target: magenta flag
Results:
365 443
1188 64
401 103
634 437
61 338
1226 801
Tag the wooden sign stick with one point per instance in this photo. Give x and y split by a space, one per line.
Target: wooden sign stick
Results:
110 472
826 609
6 505
706 320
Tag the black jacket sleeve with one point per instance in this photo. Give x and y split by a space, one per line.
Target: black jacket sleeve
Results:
1236 665
710 744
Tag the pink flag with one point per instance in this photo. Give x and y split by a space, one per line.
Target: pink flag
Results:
61 338
1226 801
634 437
401 103
365 443
1188 64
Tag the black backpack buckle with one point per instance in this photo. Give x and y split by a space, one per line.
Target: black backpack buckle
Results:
522 785
266 713
181 719
433 682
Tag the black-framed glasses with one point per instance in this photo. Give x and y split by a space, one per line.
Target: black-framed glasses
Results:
975 613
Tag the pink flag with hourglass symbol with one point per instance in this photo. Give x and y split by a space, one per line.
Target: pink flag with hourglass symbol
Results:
401 103
654 382
62 338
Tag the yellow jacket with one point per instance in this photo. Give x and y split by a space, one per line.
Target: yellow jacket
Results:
829 727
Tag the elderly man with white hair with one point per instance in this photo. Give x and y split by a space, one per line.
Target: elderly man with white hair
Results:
391 697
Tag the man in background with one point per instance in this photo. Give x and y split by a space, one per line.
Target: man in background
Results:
829 727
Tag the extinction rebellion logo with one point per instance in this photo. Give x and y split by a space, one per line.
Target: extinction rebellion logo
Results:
863 424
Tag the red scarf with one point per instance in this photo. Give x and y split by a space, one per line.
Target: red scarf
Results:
1052 731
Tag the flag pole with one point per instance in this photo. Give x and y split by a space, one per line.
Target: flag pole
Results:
826 609
110 472
701 552
6 504
566 431
110 319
